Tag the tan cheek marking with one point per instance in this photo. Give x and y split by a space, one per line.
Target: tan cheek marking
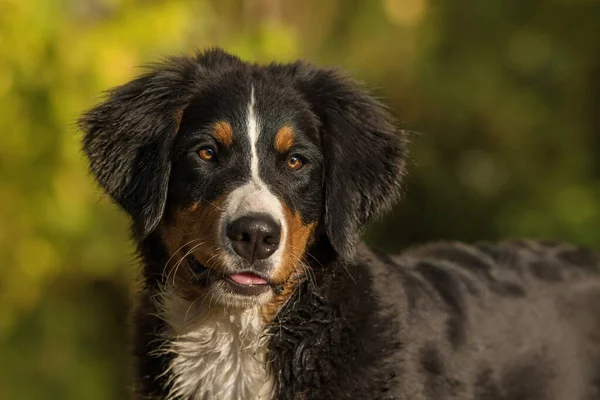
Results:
270 310
192 231
292 271
223 132
284 140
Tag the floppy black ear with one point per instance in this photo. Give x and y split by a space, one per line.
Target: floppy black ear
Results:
128 138
364 153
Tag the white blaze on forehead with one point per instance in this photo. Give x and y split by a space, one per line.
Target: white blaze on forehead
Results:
253 134
254 197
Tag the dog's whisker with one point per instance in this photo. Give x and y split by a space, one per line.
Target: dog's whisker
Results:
175 252
190 251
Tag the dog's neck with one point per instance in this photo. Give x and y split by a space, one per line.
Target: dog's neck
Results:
218 353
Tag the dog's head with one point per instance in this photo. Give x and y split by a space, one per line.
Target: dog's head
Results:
239 167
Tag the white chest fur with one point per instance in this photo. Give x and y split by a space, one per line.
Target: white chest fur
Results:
218 353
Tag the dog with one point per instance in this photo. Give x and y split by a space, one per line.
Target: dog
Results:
248 187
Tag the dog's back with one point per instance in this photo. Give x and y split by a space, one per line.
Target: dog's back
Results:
514 320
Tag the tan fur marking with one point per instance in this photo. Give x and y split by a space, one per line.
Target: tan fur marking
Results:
293 269
223 132
192 231
297 238
270 310
284 140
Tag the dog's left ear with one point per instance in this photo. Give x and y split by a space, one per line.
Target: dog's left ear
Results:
364 152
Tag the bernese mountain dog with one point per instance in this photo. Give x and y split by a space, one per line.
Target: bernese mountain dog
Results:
248 186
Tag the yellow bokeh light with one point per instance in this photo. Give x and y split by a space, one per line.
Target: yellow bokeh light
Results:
405 12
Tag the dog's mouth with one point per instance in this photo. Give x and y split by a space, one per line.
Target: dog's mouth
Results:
246 283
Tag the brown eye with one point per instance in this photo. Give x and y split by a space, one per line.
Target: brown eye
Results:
294 163
206 153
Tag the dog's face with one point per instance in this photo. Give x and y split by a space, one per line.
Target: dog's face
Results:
245 190
237 166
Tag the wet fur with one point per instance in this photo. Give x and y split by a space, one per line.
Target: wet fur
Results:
487 321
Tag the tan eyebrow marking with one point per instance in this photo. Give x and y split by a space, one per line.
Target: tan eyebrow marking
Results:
223 132
284 140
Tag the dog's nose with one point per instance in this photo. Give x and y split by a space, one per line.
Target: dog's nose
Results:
254 237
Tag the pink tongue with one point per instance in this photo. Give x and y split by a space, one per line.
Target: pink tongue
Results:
247 279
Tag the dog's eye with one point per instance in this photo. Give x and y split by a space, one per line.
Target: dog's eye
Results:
207 153
294 163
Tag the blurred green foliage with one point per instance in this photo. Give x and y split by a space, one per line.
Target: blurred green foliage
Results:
503 97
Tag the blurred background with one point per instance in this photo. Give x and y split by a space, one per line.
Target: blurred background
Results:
503 97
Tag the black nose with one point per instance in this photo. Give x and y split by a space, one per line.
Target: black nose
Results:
254 237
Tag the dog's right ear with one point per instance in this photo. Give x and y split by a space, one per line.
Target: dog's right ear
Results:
128 138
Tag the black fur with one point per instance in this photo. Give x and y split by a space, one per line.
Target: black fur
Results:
515 320
445 321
